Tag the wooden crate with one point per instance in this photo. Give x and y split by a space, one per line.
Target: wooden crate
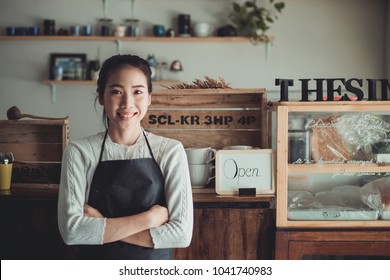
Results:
37 146
210 117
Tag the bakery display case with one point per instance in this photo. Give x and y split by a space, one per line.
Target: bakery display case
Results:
333 164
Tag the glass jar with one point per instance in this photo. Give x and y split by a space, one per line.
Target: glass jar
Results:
105 26
162 69
132 27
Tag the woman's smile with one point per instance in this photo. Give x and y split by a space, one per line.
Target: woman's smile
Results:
125 116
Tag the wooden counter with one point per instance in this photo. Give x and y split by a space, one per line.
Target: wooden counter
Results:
32 191
225 227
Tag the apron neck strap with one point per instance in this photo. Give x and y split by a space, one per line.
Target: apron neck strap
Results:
147 142
102 147
104 142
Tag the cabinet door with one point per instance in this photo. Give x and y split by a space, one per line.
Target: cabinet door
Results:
231 234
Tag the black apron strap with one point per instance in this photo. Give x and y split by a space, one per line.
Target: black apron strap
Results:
150 149
102 147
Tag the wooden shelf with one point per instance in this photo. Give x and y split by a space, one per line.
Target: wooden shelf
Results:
90 82
128 39
337 224
338 168
209 197
70 82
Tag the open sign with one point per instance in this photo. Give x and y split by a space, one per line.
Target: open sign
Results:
244 169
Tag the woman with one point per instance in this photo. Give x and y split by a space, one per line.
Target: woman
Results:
125 192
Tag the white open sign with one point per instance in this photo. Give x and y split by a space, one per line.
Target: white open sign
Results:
242 170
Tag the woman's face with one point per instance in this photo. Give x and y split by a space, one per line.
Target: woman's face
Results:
126 98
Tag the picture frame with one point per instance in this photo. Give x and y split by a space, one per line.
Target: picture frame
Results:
247 172
66 60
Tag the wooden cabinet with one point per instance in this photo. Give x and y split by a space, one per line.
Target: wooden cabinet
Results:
235 228
331 181
327 167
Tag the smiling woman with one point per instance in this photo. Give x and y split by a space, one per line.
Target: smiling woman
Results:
125 192
121 64
125 100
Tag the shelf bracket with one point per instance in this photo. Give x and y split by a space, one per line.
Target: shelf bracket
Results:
53 93
118 46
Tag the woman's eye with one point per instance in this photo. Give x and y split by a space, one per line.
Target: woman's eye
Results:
114 91
140 91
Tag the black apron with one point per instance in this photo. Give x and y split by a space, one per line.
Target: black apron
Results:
123 188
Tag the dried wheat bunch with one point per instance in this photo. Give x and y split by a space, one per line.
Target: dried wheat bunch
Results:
199 84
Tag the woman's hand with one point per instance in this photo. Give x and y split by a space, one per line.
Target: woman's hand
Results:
89 211
158 215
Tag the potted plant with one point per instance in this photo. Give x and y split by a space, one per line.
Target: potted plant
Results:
252 20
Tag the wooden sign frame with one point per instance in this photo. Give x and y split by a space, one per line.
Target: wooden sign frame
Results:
245 172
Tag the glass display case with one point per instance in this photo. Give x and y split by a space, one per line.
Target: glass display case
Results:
333 164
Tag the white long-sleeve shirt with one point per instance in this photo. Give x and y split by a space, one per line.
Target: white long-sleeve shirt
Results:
79 162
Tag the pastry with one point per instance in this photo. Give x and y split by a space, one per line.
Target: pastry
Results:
327 145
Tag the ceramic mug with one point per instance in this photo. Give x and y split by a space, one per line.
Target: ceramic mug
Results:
201 29
11 31
33 31
21 31
158 30
120 31
200 174
87 30
199 155
75 30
